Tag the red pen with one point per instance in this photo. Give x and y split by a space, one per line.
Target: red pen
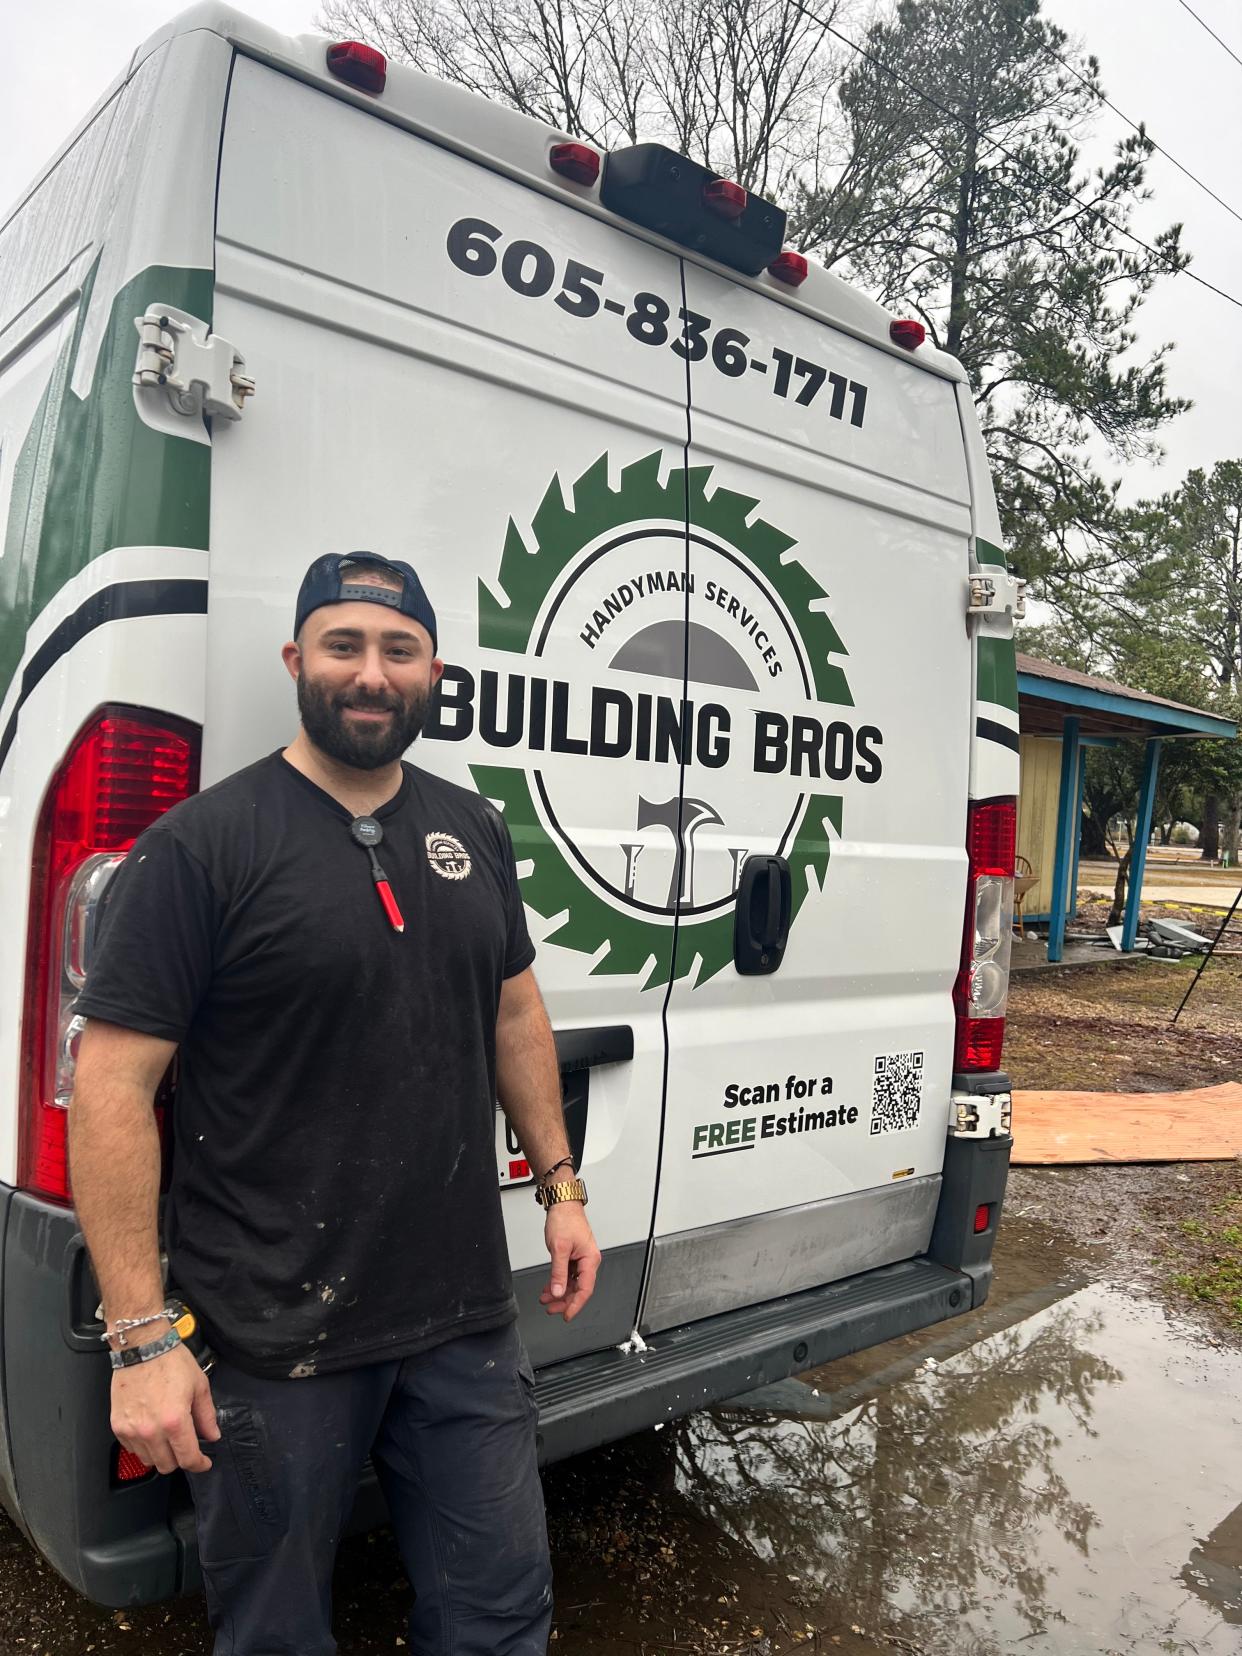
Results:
386 896
368 833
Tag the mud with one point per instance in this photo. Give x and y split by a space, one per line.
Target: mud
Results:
1107 1027
1054 1474
1155 1229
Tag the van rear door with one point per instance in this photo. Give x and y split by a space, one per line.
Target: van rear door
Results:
806 1107
447 371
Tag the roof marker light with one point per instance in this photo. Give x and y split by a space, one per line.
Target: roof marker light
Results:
578 162
790 268
358 65
908 333
724 198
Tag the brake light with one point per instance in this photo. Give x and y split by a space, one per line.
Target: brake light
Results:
725 198
908 333
575 161
124 769
789 267
651 185
981 992
358 65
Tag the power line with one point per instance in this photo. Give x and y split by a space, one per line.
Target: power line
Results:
1143 133
1211 31
968 126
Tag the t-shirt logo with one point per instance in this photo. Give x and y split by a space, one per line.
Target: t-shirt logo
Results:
448 856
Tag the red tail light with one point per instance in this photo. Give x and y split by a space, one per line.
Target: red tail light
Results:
725 198
358 65
981 993
124 770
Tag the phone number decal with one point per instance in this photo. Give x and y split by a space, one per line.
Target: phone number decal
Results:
530 270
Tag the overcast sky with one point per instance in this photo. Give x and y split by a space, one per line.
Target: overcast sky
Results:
1159 66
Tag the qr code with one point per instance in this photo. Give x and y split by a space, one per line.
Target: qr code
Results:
898 1092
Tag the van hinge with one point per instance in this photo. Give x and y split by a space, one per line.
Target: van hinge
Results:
980 1116
200 372
996 595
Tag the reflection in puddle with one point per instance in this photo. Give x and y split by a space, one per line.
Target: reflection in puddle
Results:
1067 1485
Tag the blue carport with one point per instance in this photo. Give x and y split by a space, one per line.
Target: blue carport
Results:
1079 710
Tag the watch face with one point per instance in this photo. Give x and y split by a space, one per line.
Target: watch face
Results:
366 830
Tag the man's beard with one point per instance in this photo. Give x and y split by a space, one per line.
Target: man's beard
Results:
362 747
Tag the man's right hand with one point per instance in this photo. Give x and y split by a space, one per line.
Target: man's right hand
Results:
160 1410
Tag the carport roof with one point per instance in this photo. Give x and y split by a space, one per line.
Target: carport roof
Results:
1048 694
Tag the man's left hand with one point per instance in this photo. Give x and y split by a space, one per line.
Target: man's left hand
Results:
575 1260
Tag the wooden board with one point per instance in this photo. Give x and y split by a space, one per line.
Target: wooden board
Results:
1204 1124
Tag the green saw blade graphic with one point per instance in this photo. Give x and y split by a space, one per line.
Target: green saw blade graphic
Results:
560 532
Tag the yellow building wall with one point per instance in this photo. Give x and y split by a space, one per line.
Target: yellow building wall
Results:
1039 789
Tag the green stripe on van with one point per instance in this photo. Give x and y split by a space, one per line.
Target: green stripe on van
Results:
90 475
989 554
998 672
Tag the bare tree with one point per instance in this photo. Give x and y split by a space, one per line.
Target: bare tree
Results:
742 86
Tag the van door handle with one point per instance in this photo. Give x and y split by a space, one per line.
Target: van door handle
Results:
578 1052
762 915
582 1049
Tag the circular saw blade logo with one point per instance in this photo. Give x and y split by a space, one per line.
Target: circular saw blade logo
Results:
668 635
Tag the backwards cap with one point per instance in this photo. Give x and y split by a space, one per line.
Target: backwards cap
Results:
327 582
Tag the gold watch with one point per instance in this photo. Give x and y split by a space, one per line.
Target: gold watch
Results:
567 1190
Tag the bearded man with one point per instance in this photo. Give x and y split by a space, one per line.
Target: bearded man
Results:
333 944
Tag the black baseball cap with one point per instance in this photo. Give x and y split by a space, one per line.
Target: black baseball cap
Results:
327 582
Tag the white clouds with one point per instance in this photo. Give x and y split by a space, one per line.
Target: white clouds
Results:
1161 68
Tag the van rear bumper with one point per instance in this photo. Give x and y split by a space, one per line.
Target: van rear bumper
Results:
592 1400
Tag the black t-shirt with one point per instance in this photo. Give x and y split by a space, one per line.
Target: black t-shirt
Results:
334 1197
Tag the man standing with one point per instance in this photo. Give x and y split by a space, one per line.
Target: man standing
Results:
334 945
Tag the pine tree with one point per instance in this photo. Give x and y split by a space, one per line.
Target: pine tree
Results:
966 201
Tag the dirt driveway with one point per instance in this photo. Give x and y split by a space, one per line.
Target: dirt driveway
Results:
1107 1027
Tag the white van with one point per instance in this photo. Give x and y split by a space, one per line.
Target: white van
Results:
714 552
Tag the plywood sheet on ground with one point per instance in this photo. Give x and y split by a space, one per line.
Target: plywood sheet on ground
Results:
1204 1124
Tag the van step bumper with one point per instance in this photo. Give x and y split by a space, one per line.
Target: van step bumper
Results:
590 1400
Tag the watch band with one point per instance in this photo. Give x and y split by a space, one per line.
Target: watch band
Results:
567 1190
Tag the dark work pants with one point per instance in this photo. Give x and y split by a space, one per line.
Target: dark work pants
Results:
451 1433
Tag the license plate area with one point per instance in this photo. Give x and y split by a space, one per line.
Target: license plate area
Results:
512 1167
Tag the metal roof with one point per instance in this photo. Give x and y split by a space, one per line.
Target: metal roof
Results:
1048 693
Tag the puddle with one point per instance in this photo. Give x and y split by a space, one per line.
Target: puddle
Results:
1067 1485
